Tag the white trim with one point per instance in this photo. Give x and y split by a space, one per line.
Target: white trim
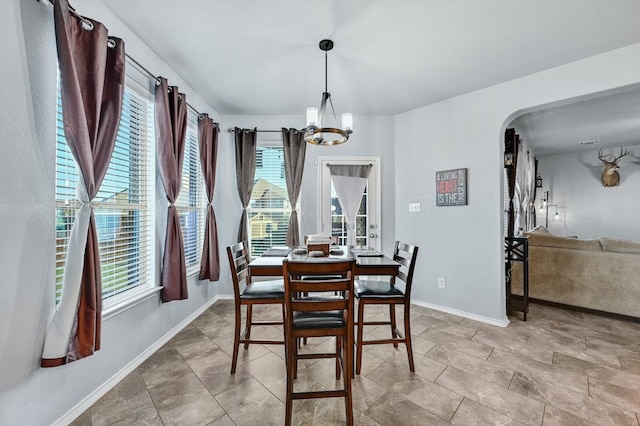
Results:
94 396
133 298
463 314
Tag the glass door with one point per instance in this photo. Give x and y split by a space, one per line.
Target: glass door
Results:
332 220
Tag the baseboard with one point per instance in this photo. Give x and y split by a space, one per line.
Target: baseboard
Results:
94 396
463 314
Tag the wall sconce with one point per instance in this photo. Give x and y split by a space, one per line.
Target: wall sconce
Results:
544 199
538 181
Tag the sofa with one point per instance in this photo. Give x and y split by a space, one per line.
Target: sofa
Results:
601 274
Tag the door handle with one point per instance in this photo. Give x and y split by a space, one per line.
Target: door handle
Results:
373 236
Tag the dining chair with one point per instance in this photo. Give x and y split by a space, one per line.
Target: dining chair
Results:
248 293
371 292
319 313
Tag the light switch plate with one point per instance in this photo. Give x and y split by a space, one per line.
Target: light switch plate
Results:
414 207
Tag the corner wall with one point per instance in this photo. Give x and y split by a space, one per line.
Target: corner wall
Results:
465 244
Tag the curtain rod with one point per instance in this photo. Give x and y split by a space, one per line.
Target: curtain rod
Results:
329 165
231 130
138 64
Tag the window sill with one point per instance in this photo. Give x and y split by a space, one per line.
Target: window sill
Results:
131 301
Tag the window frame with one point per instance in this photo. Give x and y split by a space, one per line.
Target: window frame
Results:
139 89
286 210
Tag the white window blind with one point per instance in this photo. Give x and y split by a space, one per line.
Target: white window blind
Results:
269 210
191 201
124 203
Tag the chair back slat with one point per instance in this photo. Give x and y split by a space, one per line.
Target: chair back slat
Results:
313 289
406 255
239 265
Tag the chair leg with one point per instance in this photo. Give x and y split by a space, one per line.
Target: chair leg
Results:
348 373
236 340
247 334
338 355
360 333
392 321
407 337
291 363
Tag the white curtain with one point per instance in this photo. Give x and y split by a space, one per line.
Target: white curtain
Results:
524 190
350 182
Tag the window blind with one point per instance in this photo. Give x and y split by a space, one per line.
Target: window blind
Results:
124 204
191 201
269 209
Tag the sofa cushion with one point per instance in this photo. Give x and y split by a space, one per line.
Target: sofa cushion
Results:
619 246
548 240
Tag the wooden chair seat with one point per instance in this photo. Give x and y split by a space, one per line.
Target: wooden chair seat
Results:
273 289
370 288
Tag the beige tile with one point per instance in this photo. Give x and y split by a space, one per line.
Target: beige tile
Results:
514 405
250 404
164 366
544 373
486 370
616 395
392 409
432 397
556 417
514 345
185 401
125 399
83 419
597 371
213 368
222 421
470 347
575 403
146 417
470 413
549 351
365 393
630 364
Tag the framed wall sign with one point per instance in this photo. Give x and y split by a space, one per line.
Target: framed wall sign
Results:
451 187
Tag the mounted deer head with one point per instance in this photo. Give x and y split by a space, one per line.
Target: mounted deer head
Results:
610 176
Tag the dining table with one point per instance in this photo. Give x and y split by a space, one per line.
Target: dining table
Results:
368 262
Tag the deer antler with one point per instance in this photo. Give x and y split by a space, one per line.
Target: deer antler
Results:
622 154
602 158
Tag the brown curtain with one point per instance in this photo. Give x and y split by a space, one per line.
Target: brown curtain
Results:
171 127
208 141
246 141
92 84
295 149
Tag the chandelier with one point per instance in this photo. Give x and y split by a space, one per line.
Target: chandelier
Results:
316 132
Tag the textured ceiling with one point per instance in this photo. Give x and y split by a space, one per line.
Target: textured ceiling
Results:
602 122
262 56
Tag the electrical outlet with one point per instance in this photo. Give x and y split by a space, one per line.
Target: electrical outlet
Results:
442 282
414 207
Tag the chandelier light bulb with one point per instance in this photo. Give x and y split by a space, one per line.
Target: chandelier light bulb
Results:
312 117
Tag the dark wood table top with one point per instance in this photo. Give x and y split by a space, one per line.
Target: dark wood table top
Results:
380 265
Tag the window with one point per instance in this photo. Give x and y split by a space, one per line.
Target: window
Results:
269 209
339 223
191 201
123 207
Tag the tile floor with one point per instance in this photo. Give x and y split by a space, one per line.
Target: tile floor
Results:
558 368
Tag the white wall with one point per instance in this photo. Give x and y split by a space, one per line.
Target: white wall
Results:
586 208
30 395
464 244
373 136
